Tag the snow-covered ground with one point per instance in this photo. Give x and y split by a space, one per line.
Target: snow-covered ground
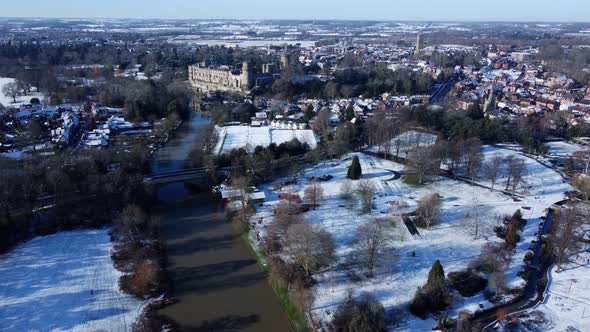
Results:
7 101
64 282
563 149
541 184
450 240
235 137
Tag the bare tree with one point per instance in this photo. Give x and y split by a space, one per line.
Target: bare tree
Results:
564 239
584 157
309 246
429 208
323 122
455 156
424 162
491 168
285 214
242 185
477 220
296 171
516 171
365 189
472 158
347 193
313 194
371 239
11 90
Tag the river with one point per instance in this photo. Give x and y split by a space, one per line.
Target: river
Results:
214 276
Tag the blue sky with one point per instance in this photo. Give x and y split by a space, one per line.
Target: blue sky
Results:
436 10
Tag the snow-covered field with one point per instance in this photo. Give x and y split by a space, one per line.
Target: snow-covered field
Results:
563 149
7 101
64 282
235 137
450 240
407 141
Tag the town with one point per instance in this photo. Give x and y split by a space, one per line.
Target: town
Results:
217 175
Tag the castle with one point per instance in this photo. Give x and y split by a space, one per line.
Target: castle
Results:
204 79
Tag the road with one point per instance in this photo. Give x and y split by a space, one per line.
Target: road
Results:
441 90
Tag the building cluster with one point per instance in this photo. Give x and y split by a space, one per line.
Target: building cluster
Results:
89 125
510 84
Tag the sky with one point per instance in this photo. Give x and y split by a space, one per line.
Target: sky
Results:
407 10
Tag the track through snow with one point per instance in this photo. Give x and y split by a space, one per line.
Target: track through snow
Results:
64 282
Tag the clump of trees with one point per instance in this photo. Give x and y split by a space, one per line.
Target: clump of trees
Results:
435 295
113 179
137 252
362 314
517 169
262 162
307 248
354 170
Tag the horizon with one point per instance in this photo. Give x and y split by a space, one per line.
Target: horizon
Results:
290 20
526 11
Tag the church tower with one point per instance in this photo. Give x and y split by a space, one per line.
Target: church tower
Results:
490 101
418 45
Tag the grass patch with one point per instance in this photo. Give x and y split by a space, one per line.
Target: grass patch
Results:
411 180
296 318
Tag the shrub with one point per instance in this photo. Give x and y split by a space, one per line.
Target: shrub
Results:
467 283
144 281
354 170
497 284
492 259
433 296
512 236
363 314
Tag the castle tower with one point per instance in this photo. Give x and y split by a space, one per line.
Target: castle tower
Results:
418 44
247 77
